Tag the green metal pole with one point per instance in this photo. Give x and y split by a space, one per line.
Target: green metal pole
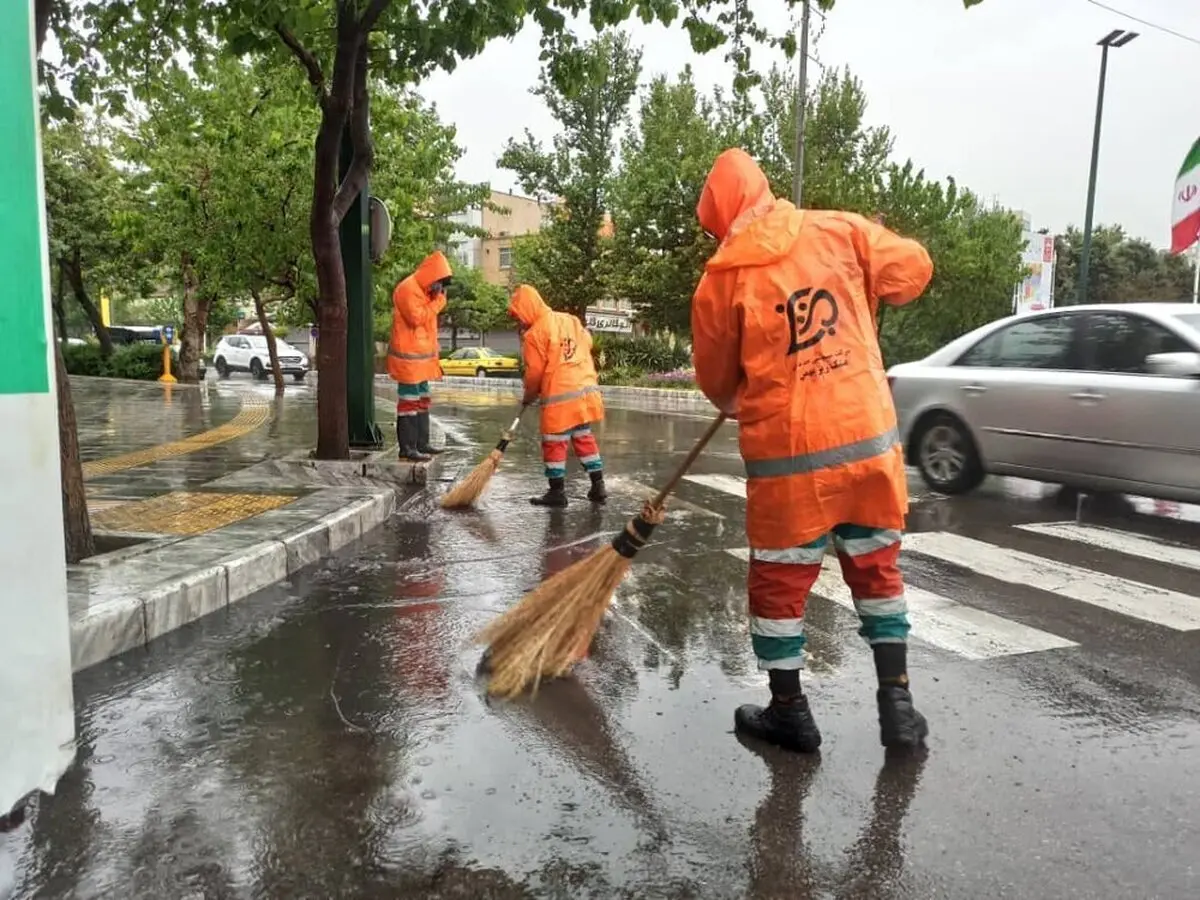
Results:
1081 289
355 236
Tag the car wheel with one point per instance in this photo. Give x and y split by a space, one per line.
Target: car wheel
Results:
257 370
299 376
222 367
481 372
946 455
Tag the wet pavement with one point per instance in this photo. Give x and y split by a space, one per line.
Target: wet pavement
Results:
116 418
327 737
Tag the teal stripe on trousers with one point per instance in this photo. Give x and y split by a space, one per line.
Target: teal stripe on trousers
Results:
769 648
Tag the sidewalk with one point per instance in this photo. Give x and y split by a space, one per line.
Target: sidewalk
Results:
202 495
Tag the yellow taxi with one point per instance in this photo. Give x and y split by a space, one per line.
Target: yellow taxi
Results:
479 362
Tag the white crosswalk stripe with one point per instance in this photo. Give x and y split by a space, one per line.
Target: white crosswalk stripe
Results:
1158 606
976 634
1119 542
726 484
945 623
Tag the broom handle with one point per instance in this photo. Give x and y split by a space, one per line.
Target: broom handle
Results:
506 438
659 500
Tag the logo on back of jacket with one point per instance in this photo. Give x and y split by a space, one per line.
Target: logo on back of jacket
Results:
568 349
811 317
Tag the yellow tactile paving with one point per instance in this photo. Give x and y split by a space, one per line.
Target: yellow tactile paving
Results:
254 412
186 512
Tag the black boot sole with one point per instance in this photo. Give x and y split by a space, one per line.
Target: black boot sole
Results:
747 726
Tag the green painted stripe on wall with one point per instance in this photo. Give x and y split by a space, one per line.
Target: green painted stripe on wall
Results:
24 368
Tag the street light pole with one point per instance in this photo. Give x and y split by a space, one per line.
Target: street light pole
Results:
801 111
1117 38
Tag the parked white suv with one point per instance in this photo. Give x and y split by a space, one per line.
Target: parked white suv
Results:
248 353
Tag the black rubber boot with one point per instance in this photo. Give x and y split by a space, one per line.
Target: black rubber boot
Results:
787 722
556 496
598 493
423 444
901 727
406 438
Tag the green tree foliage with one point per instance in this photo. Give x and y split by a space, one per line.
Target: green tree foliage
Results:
976 262
224 169
658 247
474 304
1121 269
87 201
565 260
414 175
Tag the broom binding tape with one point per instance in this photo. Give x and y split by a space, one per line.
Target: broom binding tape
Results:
637 531
503 445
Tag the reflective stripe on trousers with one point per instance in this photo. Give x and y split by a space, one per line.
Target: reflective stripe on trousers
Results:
779 583
583 442
807 463
412 399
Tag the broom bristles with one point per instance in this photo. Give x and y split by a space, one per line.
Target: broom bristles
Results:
471 488
550 629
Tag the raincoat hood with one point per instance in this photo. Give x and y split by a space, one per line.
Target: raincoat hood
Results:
435 267
734 187
527 305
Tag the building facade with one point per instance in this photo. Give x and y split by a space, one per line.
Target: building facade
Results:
505 218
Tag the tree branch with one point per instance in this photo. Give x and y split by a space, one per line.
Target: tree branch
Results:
311 65
371 16
360 139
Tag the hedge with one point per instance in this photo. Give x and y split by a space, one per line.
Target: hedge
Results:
140 362
647 354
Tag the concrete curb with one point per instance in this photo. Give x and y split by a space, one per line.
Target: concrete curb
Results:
122 623
659 396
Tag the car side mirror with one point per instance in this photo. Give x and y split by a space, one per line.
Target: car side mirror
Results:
1176 365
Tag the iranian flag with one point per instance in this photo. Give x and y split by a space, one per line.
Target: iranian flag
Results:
1185 213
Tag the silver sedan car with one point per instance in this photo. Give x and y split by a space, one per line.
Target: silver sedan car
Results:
1104 398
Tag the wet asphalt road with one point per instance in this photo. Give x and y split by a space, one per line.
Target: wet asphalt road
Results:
327 738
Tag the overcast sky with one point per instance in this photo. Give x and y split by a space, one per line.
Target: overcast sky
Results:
1001 96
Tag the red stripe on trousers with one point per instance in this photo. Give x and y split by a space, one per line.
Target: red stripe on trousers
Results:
780 590
874 575
411 406
554 452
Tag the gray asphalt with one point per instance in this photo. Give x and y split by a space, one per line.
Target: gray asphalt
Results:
327 738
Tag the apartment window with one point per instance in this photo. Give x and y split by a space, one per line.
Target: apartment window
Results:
506 257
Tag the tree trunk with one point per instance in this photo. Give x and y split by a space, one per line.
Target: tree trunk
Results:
77 526
261 311
195 320
453 338
74 270
333 422
60 313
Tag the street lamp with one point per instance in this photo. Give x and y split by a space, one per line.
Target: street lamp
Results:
1116 38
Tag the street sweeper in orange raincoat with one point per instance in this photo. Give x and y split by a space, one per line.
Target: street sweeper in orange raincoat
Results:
413 352
560 374
784 331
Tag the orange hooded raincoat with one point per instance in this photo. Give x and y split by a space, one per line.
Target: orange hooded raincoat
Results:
413 351
557 351
783 325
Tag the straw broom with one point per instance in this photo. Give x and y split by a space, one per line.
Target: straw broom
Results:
471 488
551 627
